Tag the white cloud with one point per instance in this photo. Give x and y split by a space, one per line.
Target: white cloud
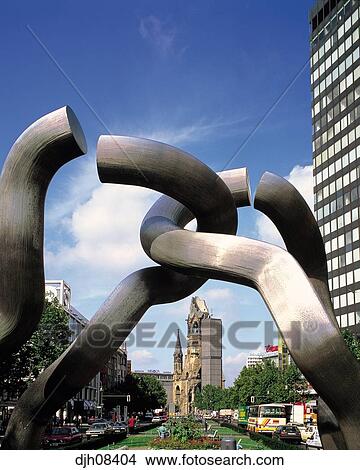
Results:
218 294
193 133
141 358
302 178
78 188
100 242
158 32
233 365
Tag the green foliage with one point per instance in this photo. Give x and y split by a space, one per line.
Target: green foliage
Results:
264 381
46 344
213 398
274 444
51 338
147 392
352 342
185 429
173 443
268 384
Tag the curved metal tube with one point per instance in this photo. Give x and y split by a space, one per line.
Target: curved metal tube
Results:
126 305
293 303
288 210
35 157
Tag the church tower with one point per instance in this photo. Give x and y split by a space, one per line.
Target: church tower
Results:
178 356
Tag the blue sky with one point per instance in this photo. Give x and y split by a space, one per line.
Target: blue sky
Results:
199 75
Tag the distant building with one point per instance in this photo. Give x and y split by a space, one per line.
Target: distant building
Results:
85 402
90 401
254 359
115 370
277 354
202 364
165 378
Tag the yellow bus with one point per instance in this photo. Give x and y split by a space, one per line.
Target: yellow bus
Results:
266 418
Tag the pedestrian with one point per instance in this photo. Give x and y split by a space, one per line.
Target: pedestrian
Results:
131 424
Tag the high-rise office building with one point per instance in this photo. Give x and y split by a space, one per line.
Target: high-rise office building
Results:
335 84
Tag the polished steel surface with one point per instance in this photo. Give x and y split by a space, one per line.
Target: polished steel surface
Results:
35 157
287 209
292 283
134 295
313 340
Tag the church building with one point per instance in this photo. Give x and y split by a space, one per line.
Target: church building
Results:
202 364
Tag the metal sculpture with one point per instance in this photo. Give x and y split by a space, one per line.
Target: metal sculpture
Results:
35 157
292 283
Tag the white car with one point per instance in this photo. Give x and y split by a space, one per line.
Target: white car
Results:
99 429
156 419
305 431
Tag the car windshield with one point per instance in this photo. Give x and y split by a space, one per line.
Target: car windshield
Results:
62 431
98 426
291 429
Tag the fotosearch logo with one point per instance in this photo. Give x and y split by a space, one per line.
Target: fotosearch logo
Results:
146 335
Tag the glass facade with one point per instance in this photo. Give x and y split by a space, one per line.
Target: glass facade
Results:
335 85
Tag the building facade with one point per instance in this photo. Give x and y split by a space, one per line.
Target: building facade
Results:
254 359
335 85
202 364
86 402
165 378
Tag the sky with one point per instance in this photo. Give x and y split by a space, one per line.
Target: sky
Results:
226 81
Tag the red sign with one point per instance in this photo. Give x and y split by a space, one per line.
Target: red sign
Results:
271 348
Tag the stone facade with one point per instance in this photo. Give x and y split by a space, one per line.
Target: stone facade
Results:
202 364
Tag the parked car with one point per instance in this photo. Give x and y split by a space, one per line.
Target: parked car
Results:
305 431
99 420
61 436
148 416
119 428
156 419
99 429
288 433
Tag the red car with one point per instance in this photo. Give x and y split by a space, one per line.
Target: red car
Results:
62 436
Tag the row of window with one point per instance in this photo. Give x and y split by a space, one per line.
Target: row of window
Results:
351 256
338 203
343 260
333 111
334 92
348 319
335 56
339 164
336 186
350 298
344 280
337 72
341 144
330 26
339 222
339 126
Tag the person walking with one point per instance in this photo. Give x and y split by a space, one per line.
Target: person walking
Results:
131 424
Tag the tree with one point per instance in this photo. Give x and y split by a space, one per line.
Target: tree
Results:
46 344
352 342
51 338
268 384
147 392
212 398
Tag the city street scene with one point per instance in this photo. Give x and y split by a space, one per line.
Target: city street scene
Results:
179 234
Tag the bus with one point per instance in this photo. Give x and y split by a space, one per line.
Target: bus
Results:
266 418
243 416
